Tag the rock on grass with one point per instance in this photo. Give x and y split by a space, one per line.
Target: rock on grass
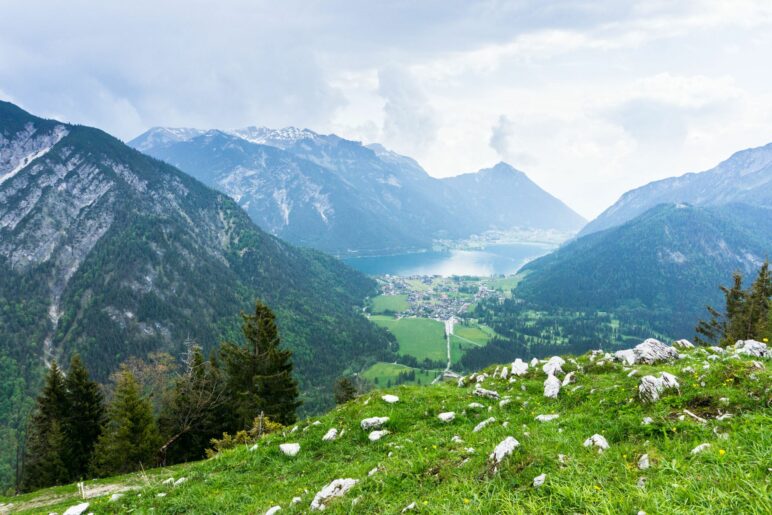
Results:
337 488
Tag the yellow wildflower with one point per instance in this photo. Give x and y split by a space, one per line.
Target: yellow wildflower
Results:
721 452
466 501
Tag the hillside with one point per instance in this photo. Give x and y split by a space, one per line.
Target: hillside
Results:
111 253
664 265
702 447
746 177
340 196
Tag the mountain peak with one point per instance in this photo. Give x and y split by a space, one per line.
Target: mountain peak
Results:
281 138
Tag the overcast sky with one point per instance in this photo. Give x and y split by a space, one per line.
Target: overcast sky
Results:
589 98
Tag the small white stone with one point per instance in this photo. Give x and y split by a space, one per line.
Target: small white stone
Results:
162 494
253 448
409 507
546 418
78 509
482 424
337 488
391 399
180 481
598 441
504 402
373 422
447 416
647 420
482 392
290 449
115 497
700 448
534 362
539 480
570 378
456 439
643 462
377 435
552 387
503 449
272 511
475 405
296 500
562 458
169 481
373 472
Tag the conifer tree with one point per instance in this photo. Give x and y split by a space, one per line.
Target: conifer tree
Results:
757 304
130 438
84 419
44 461
344 390
260 374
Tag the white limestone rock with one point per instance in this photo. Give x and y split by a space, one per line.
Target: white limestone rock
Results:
554 365
482 424
447 416
456 439
330 435
180 481
539 480
377 435
290 449
337 488
504 402
683 344
519 367
409 507
643 462
552 387
373 423
475 405
752 348
647 420
700 448
598 441
651 351
373 472
296 500
534 362
504 373
651 388
482 392
570 378
78 509
391 399
502 450
116 497
546 418
273 510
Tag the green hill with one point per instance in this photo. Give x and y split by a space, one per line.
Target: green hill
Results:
723 400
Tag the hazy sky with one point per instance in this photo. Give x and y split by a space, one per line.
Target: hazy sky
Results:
589 98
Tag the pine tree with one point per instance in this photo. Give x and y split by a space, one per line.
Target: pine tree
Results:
722 327
83 422
130 438
260 375
344 390
757 305
44 461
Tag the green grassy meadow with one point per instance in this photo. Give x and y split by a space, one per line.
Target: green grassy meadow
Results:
389 303
384 372
419 461
419 337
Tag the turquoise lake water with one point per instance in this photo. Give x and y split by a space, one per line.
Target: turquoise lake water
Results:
493 260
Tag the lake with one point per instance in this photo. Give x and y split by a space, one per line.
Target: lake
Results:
493 260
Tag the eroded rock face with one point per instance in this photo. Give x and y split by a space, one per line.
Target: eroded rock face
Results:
651 388
482 392
554 365
552 387
519 367
752 348
337 488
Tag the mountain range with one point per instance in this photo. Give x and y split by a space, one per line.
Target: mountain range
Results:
745 177
346 198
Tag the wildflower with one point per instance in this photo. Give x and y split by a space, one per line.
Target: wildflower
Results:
426 502
597 487
721 452
466 501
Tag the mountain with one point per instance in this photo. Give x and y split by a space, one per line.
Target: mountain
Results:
340 196
665 265
111 253
746 177
683 452
494 197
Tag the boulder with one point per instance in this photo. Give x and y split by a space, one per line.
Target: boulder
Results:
391 399
651 388
482 392
539 480
546 418
373 422
337 488
649 352
330 435
683 344
78 509
752 348
554 365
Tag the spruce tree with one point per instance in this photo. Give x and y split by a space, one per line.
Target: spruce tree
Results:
45 456
130 439
757 304
344 390
83 422
260 375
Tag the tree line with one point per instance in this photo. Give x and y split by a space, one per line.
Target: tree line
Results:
75 434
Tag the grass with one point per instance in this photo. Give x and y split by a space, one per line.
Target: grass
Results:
418 461
419 337
389 303
384 372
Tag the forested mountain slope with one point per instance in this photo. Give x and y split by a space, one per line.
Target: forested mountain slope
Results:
110 253
665 264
